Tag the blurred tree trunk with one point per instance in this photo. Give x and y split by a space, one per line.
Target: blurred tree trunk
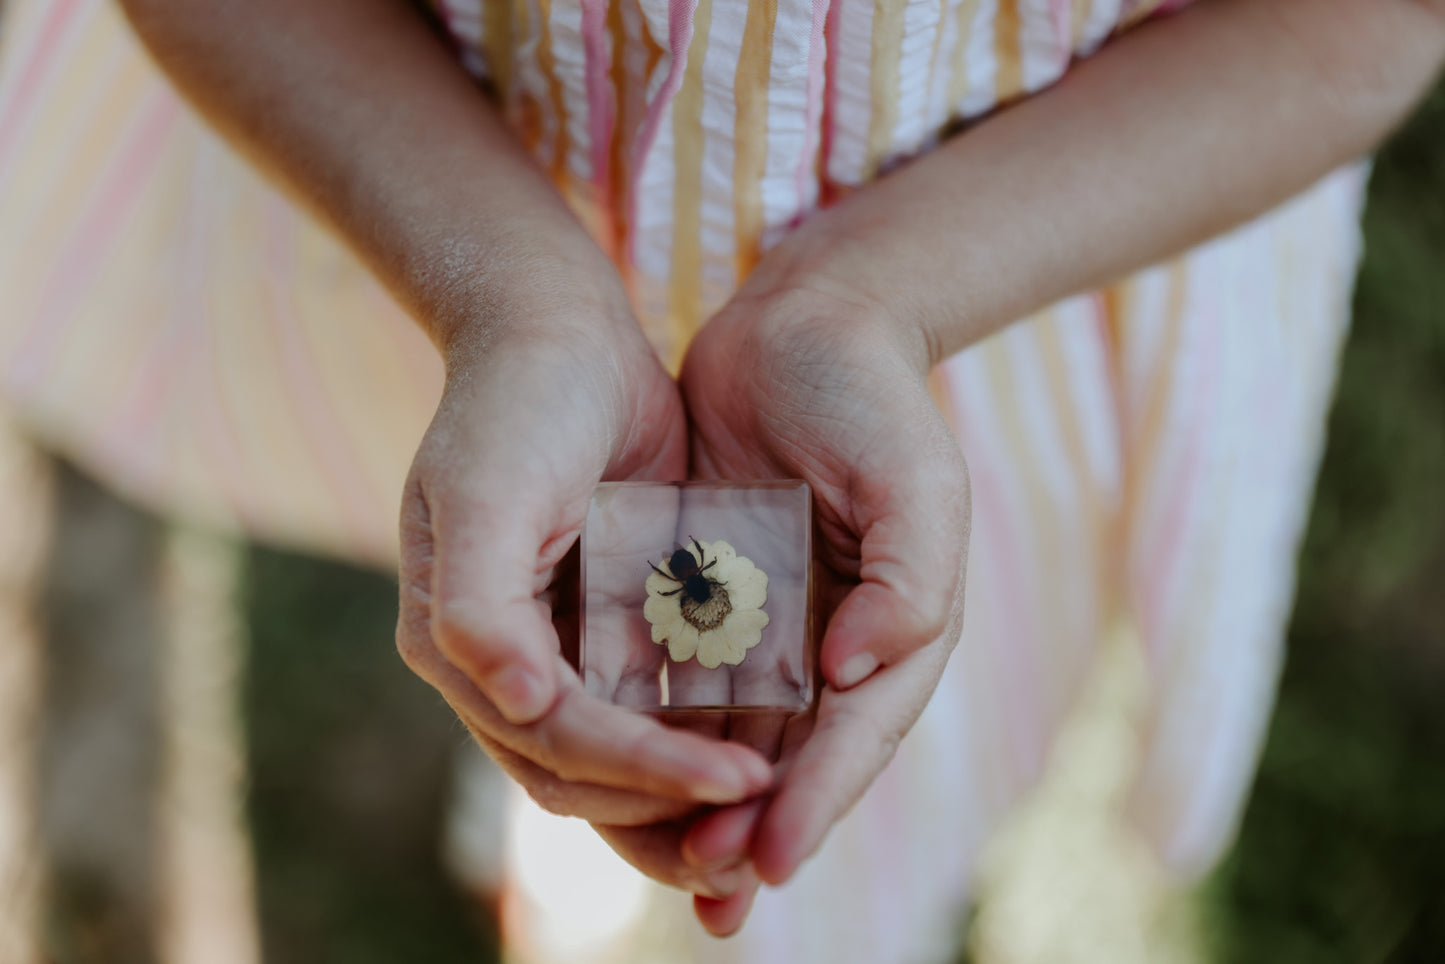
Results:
101 728
25 490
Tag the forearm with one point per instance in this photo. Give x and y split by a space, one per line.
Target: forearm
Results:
367 119
1172 134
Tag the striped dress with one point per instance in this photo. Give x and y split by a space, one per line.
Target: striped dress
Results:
1140 455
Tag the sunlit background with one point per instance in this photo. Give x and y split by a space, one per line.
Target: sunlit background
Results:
209 752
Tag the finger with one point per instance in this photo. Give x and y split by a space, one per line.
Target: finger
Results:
657 852
915 527
853 738
725 917
585 740
587 801
721 839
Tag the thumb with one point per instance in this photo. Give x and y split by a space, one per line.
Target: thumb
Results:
914 553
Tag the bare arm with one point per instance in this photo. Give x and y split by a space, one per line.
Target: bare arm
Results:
369 120
550 387
1169 135
1172 134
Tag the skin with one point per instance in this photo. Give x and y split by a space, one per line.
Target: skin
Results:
815 369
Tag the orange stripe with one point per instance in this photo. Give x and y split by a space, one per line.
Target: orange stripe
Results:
1008 80
1142 11
883 78
750 95
616 202
687 143
548 66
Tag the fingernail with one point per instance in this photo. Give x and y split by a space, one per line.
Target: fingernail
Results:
518 693
856 669
722 884
704 864
757 772
716 787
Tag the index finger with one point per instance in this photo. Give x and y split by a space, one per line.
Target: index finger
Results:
585 740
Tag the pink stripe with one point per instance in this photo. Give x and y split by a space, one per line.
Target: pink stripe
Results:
819 53
601 111
1062 12
50 34
90 240
130 436
338 462
999 540
679 31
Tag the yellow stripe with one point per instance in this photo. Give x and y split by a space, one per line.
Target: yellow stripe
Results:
958 85
1081 11
547 64
687 135
497 47
1008 80
883 79
750 95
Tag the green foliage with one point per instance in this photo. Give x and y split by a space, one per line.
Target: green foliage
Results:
350 767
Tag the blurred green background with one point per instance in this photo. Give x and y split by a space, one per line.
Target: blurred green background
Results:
1341 857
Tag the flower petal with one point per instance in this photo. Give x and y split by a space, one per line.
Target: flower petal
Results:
748 587
712 649
746 627
656 585
658 609
682 642
725 555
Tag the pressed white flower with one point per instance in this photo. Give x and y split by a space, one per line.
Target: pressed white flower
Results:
712 609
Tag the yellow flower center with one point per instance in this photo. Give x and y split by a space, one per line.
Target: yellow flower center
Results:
710 613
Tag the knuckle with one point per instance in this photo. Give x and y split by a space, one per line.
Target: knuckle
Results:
549 745
922 618
463 639
415 647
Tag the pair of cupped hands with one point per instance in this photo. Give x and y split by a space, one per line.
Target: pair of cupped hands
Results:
552 388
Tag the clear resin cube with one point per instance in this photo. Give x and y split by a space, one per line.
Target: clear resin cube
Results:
695 596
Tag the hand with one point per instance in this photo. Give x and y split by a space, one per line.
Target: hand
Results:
811 379
556 395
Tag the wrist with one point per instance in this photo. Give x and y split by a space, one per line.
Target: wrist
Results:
530 290
843 284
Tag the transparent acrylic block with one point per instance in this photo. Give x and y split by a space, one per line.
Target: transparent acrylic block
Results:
695 596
